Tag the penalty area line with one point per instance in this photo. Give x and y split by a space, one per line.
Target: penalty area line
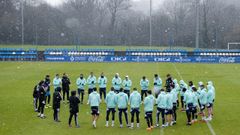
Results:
208 124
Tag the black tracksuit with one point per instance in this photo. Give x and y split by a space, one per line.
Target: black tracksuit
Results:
41 99
74 109
35 97
56 104
65 86
47 83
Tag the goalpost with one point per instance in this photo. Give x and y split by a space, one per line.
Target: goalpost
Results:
232 43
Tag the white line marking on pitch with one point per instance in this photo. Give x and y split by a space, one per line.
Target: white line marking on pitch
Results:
208 124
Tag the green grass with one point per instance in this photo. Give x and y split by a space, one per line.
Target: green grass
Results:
18 79
117 47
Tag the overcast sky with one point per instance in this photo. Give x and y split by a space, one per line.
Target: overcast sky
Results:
143 2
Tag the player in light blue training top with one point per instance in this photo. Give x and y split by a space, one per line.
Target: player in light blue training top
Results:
91 81
94 101
102 82
116 83
81 82
149 102
127 84
111 101
135 101
122 102
144 83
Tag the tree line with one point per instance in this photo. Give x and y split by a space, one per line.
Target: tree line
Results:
115 22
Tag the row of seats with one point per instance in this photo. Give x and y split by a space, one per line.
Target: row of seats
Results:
155 52
82 52
18 54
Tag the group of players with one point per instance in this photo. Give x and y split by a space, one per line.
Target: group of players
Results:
164 98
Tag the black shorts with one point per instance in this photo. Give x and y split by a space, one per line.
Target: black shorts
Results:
194 109
80 91
148 114
182 97
202 107
174 106
90 91
127 91
122 110
209 105
95 110
189 107
160 110
102 89
111 110
135 110
168 111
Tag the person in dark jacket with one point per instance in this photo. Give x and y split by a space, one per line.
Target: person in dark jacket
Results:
65 86
56 104
169 82
74 109
47 84
42 93
35 97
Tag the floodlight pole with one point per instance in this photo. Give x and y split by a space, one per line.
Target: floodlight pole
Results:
150 25
197 24
22 17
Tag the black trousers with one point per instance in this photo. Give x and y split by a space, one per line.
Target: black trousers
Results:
35 102
124 110
41 106
75 118
102 92
127 92
55 114
65 92
81 94
174 111
162 112
148 117
133 112
182 102
110 110
143 93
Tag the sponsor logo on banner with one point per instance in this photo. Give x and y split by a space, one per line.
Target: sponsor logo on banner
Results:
72 59
227 60
181 59
203 59
140 59
96 59
162 59
118 59
55 58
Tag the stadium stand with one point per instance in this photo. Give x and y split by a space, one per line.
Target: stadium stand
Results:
18 54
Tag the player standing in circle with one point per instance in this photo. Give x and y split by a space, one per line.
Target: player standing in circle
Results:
94 101
91 81
56 104
111 101
127 84
57 82
42 93
135 102
65 86
102 82
161 107
149 102
157 82
116 83
74 108
47 84
81 82
122 102
144 83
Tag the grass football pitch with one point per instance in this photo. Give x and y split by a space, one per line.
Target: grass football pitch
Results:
17 80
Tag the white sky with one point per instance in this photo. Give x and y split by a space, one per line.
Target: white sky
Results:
54 2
